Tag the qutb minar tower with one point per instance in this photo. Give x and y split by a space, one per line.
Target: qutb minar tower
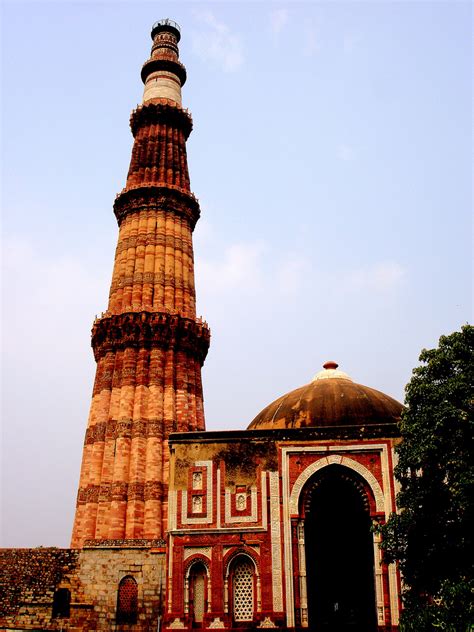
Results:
149 346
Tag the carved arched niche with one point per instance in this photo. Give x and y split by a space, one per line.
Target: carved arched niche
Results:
197 588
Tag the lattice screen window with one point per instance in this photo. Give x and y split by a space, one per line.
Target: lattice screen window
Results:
243 591
127 601
198 584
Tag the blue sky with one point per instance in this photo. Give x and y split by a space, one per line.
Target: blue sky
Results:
331 154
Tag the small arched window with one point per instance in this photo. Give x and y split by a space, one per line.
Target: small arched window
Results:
243 592
61 603
127 601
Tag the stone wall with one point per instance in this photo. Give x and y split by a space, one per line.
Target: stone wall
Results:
30 577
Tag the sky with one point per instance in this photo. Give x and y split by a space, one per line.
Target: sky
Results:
331 154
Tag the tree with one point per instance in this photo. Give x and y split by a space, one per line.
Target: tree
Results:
431 536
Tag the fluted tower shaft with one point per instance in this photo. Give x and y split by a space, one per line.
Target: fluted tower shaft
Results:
149 345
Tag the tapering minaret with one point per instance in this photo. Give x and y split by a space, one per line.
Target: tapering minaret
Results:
149 346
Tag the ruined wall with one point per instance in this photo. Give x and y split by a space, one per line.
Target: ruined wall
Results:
29 578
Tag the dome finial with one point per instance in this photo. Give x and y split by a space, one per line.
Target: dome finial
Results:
330 370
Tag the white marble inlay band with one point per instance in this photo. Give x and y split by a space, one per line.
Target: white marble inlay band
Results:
393 587
275 534
172 509
378 580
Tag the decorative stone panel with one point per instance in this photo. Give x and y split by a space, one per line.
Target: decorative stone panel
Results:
188 507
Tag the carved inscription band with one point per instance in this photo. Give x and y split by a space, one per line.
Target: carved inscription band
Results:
152 490
126 428
158 239
135 543
165 280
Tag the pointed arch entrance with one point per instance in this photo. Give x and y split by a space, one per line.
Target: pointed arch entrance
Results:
338 551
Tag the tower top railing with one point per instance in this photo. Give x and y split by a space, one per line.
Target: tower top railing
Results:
164 25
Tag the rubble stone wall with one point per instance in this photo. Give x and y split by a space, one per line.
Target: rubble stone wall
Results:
30 577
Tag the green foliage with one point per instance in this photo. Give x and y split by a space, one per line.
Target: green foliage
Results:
431 537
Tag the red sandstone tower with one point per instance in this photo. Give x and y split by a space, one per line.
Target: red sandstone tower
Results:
149 346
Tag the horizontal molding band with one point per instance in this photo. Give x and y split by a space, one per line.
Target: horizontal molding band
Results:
169 65
150 330
161 111
168 198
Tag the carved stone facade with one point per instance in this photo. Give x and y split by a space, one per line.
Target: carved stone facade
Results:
280 467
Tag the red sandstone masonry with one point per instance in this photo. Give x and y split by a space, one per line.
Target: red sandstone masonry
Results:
215 546
149 346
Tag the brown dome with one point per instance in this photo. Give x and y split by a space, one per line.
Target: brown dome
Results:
330 399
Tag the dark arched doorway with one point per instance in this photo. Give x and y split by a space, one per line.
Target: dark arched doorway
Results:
339 553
